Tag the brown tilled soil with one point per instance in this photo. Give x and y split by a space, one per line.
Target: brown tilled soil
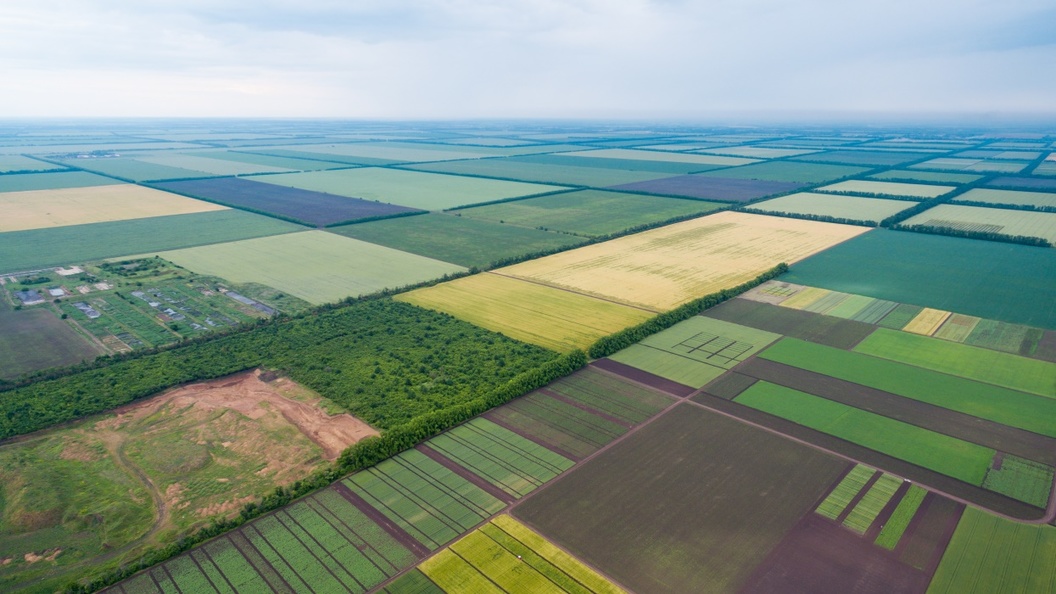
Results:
644 377
248 395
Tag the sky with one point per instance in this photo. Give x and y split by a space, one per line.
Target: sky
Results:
454 59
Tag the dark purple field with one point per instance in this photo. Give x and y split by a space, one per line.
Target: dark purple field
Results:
313 208
723 189
1028 183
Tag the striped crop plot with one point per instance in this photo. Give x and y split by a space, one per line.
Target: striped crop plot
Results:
504 459
506 556
988 220
589 212
549 317
999 198
42 209
848 208
423 497
579 414
878 188
695 351
414 189
663 268
927 321
309 208
316 266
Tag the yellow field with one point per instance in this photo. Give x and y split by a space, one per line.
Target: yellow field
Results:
927 321
551 318
39 209
666 267
805 298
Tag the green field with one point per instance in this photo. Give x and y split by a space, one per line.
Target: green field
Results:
589 212
20 163
133 169
636 155
898 522
860 157
506 556
209 165
992 555
316 266
77 244
852 208
957 164
36 339
999 281
690 503
499 456
525 169
926 176
1008 197
416 189
457 239
549 317
52 181
988 220
431 503
789 171
1021 479
289 163
947 455
863 514
695 351
837 501
1001 369
756 152
985 401
857 186
414 152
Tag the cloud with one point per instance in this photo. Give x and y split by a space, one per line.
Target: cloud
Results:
521 58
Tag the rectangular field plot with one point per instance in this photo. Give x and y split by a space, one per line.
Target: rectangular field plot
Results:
862 515
878 188
457 239
1024 183
1020 479
392 152
424 498
991 554
988 220
757 152
690 503
998 404
984 365
1008 198
665 267
926 176
695 351
210 166
926 322
499 456
947 455
77 244
309 208
526 169
12 163
58 180
414 189
915 268
134 170
316 266
77 206
636 155
857 157
280 163
956 164
583 159
549 317
506 556
589 212
810 326
789 171
36 339
834 504
710 188
850 208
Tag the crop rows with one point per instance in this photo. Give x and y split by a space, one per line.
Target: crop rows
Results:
896 525
840 497
611 395
865 512
558 424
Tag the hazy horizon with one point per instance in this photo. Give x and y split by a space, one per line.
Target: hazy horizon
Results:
437 60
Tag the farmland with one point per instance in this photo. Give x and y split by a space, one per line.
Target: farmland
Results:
710 188
958 164
929 270
851 208
549 317
588 212
132 169
94 204
37 339
636 155
926 176
210 166
285 163
525 169
988 220
705 507
316 266
654 165
168 464
887 188
457 239
756 152
1008 198
39 248
52 181
310 208
789 171
662 268
407 188
875 158
19 163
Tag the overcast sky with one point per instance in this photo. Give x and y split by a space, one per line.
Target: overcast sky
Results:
523 58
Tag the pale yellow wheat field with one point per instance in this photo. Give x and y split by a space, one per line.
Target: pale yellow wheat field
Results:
666 267
40 209
927 321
